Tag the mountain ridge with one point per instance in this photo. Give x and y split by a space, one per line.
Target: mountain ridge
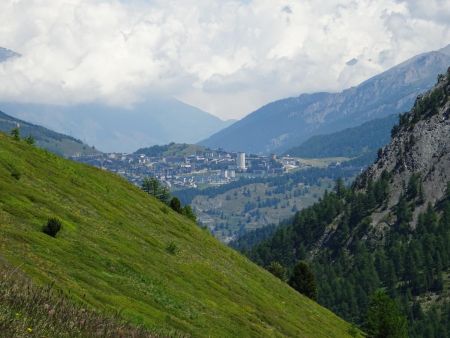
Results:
6 54
116 129
282 124
57 143
350 142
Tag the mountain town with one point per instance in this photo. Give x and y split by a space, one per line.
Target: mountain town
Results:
225 169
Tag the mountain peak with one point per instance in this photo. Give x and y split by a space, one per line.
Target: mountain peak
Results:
6 54
283 124
445 50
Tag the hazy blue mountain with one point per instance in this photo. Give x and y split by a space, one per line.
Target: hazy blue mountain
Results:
286 123
350 142
6 54
55 142
156 121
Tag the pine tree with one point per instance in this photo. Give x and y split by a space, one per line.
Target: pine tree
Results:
189 213
278 270
153 187
384 319
15 133
340 188
403 213
303 280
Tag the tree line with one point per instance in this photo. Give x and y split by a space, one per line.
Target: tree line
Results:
153 187
351 268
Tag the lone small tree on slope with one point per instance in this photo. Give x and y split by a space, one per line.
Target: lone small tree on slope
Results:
303 280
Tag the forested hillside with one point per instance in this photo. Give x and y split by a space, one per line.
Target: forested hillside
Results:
390 230
232 210
352 142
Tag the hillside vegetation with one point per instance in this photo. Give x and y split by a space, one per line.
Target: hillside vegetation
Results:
390 230
57 143
121 251
350 142
171 149
28 311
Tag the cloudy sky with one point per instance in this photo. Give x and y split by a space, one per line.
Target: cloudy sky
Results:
227 57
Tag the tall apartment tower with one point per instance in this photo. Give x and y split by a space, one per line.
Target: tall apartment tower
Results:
240 161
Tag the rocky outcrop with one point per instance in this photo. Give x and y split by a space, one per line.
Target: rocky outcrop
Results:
420 146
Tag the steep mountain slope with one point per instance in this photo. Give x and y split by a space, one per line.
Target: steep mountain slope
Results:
350 142
286 123
114 129
391 230
121 250
55 142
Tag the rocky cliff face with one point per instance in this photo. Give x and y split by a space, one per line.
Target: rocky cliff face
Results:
391 230
420 146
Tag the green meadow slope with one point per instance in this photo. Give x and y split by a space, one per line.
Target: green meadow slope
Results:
112 254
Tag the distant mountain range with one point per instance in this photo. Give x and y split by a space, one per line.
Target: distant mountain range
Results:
350 142
116 129
55 142
281 125
6 54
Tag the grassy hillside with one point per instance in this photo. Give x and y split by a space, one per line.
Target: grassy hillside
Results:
121 250
57 143
27 310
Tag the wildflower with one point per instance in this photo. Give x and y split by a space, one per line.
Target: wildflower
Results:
30 330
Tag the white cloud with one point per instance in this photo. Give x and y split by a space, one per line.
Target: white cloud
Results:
225 56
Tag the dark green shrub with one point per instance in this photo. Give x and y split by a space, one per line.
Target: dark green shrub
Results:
30 140
16 173
172 248
175 204
52 227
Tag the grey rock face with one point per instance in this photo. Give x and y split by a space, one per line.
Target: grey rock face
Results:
421 147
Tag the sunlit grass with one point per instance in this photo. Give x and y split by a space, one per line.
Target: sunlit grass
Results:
112 255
